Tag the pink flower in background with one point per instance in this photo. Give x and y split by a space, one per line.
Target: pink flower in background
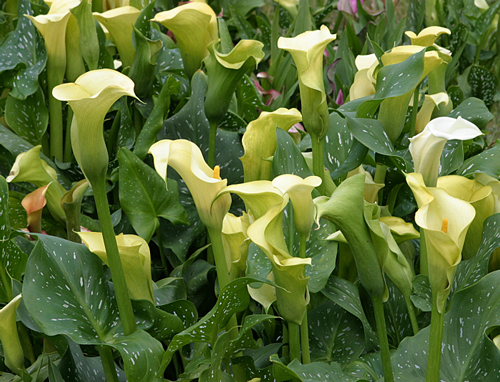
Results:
348 6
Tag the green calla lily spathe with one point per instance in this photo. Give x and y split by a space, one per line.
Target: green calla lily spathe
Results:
445 221
120 24
9 337
259 142
426 147
90 97
307 52
135 257
225 70
194 26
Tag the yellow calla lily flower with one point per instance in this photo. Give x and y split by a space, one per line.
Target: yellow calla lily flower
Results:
426 147
363 84
445 221
307 52
120 24
9 337
135 258
194 26
480 197
90 97
299 190
203 182
267 233
427 36
425 113
259 142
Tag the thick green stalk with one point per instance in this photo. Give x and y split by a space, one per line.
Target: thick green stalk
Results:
108 363
68 151
115 264
55 76
162 251
294 340
318 160
435 342
304 327
424 268
413 316
211 143
220 257
378 307
380 173
72 212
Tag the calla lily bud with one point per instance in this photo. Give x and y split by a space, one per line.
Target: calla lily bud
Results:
33 203
236 242
135 257
426 147
307 52
29 167
120 24
194 26
259 142
346 209
203 182
11 345
480 197
445 221
90 97
225 70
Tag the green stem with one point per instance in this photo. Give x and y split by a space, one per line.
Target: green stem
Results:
380 173
304 327
115 264
286 344
108 363
67 138
318 160
55 75
162 251
424 269
435 342
413 316
211 143
222 270
24 337
113 134
414 111
294 340
378 307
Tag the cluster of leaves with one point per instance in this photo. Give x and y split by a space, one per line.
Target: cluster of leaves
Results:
68 321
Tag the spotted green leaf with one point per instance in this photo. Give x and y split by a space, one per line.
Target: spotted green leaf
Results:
371 133
28 118
487 162
144 196
312 372
334 334
467 353
23 52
